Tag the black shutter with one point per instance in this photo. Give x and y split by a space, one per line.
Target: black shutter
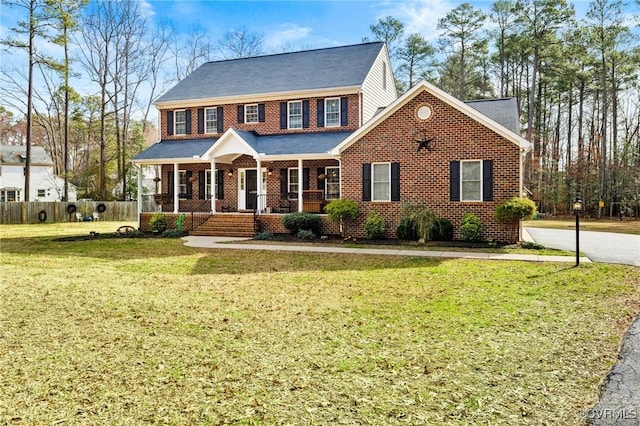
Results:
220 184
261 113
366 182
454 181
202 187
170 184
187 117
321 171
487 180
283 115
200 120
395 181
284 182
170 123
240 114
189 193
320 112
344 112
305 179
220 123
305 114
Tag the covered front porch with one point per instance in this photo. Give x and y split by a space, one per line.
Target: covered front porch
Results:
242 172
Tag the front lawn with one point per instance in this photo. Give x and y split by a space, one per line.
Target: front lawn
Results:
626 226
147 331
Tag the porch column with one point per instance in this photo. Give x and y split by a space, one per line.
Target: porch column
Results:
176 187
259 187
140 171
214 185
300 183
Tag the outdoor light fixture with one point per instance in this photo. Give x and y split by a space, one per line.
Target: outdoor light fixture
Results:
230 172
577 209
269 171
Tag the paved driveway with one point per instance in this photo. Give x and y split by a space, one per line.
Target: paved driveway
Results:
598 246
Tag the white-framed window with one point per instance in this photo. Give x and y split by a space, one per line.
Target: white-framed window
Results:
9 195
42 193
207 184
180 122
182 183
211 120
332 183
471 180
293 183
332 112
251 113
381 181
295 114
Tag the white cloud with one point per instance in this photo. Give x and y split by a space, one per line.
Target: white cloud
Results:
418 16
287 34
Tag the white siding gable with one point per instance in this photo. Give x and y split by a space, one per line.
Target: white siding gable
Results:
376 92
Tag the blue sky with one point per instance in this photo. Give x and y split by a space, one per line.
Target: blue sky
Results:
300 24
284 25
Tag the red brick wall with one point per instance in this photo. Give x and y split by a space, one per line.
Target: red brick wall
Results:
424 175
272 119
273 223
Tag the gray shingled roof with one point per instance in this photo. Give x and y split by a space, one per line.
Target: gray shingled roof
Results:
503 111
17 154
286 144
292 144
307 70
169 149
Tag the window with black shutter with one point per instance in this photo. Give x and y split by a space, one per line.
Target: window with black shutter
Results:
344 112
170 123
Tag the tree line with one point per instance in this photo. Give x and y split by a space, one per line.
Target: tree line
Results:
129 62
576 82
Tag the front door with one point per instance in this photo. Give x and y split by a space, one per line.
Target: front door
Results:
251 189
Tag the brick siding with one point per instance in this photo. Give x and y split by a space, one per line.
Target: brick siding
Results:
270 126
424 175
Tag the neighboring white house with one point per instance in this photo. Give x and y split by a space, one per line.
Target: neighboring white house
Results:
44 185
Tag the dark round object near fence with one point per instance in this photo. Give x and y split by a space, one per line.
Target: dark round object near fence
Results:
71 208
101 208
42 216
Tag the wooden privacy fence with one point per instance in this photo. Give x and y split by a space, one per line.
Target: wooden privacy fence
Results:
41 211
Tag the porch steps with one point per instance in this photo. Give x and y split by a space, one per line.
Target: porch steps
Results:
226 225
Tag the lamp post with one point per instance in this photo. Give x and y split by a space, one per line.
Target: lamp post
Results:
577 209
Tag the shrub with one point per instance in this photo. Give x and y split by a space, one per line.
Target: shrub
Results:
422 217
512 211
470 227
158 223
295 222
305 234
406 230
374 226
264 235
515 209
442 230
341 210
179 223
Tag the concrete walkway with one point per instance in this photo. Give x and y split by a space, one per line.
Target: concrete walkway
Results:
231 243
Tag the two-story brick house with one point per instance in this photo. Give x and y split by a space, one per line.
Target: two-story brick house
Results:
292 131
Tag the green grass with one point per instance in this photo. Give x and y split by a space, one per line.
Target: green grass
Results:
626 226
147 331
